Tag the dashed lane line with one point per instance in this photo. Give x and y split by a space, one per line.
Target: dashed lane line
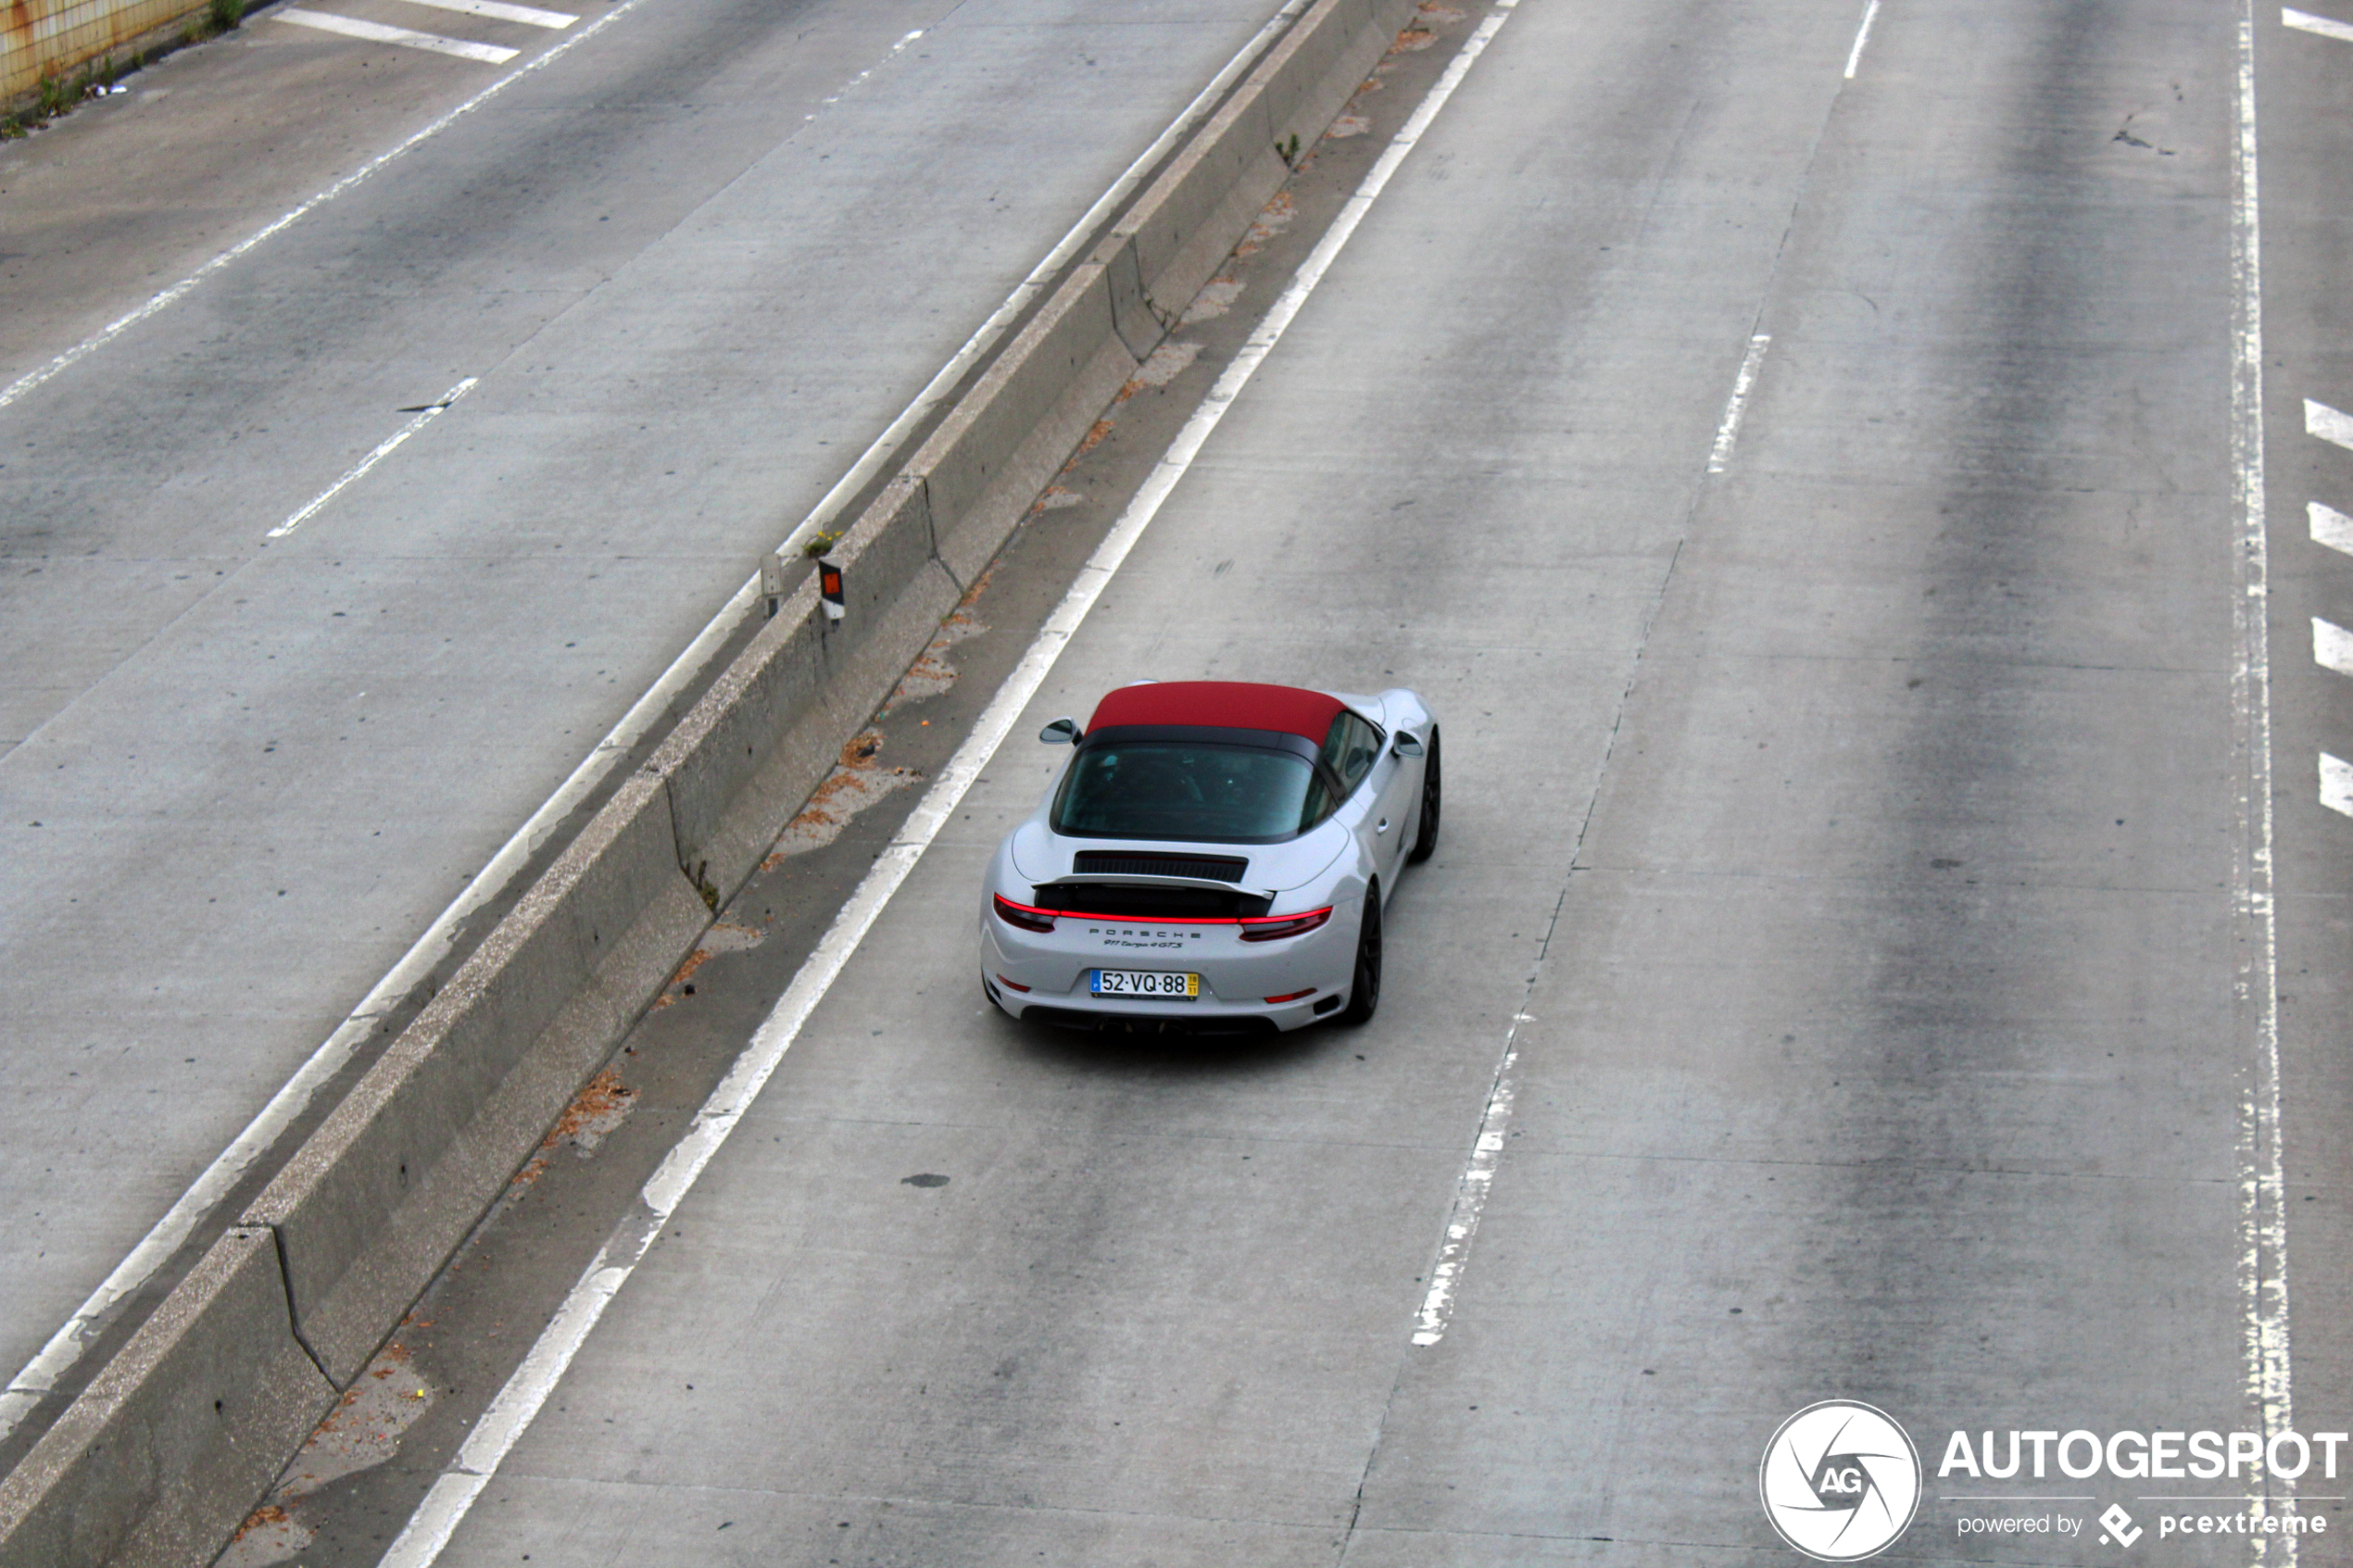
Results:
1862 37
2331 646
498 10
1720 457
391 443
2337 784
2330 424
2326 26
2331 527
377 32
1471 1187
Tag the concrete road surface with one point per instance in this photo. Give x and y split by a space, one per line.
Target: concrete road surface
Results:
1815 465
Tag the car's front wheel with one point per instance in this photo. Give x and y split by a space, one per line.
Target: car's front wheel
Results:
1364 991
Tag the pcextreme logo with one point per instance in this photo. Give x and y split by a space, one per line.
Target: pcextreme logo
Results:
1840 1481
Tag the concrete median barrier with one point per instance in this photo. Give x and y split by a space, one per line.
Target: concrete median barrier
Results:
161 1456
378 1198
1005 440
1192 216
766 733
1182 228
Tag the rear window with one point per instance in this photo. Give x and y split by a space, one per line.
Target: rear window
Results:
1195 790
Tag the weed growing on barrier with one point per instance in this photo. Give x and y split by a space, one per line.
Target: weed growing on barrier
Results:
56 92
53 95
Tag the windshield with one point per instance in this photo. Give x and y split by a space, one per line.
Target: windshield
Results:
1194 790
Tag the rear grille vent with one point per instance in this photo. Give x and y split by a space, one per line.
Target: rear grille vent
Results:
1210 868
1116 899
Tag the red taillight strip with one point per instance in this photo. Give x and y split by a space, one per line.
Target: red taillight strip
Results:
1257 928
1272 1001
1023 915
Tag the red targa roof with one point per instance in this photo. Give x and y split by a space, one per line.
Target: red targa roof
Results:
1226 705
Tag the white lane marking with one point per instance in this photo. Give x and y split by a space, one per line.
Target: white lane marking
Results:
530 15
2329 424
1862 36
452 1495
2262 1263
430 412
2331 527
2337 784
1470 1197
2331 646
1720 457
34 379
859 80
377 32
2322 25
40 1376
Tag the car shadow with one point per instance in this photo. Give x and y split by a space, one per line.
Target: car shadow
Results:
1165 1049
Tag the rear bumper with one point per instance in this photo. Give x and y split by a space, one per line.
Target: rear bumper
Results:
1168 1020
1046 976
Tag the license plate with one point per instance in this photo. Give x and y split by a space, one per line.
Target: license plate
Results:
1155 983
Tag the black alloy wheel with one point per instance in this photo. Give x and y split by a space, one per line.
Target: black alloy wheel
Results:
1426 831
1364 992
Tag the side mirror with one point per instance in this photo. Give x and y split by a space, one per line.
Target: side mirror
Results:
1407 745
1061 731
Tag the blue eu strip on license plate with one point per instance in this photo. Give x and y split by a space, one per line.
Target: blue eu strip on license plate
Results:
1145 984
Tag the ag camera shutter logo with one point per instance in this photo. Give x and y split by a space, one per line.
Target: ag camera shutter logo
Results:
1840 1481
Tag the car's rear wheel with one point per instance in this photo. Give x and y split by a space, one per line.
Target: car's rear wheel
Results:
1364 991
1426 831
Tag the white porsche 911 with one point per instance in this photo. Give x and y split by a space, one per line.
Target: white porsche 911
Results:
1213 855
